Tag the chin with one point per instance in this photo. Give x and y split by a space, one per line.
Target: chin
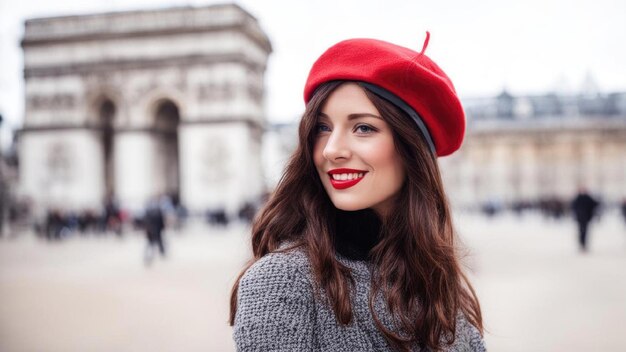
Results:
349 206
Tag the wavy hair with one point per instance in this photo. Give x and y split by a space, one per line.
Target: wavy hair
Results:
417 259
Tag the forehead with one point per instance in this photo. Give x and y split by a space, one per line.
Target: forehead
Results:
349 98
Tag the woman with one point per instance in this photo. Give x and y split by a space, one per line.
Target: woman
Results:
355 250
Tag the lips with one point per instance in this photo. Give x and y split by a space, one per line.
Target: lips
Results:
347 177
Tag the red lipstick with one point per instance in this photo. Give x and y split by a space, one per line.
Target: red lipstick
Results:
343 184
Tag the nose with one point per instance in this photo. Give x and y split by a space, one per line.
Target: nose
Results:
337 148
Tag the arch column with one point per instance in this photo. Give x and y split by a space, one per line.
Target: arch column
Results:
135 150
220 165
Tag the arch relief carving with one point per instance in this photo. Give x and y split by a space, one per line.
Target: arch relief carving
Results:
214 160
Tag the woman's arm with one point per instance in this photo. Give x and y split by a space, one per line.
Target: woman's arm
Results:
275 307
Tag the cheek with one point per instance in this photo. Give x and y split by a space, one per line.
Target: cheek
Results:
385 158
382 153
318 156
398 173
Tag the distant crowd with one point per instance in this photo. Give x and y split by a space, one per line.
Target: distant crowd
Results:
112 219
551 208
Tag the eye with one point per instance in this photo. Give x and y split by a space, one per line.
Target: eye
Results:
364 129
320 127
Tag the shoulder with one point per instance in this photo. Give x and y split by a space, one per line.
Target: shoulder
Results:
278 267
277 279
275 305
468 338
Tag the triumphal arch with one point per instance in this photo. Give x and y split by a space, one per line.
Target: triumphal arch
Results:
144 103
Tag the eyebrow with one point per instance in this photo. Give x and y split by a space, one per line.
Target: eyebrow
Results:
355 115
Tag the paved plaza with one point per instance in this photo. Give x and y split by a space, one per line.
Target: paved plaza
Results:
94 293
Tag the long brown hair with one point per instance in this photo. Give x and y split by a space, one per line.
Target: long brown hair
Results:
418 270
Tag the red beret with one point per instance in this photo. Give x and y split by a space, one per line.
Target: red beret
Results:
411 76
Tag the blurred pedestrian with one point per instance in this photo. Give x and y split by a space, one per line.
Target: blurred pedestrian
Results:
112 221
623 209
154 224
54 224
584 207
246 212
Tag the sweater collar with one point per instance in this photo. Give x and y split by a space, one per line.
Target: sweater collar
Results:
356 233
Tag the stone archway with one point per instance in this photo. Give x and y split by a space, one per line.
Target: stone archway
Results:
166 121
162 107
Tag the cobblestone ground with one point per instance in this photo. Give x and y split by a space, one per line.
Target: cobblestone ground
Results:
96 294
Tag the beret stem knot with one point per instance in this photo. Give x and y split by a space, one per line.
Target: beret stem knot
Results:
425 43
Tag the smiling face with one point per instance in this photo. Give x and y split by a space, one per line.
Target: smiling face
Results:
354 153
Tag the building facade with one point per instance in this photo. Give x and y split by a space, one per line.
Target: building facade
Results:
139 104
530 149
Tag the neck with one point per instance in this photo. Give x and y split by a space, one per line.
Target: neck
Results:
356 233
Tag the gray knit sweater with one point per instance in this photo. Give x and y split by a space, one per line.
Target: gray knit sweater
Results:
278 311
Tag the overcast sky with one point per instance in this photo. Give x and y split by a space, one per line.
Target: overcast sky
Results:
527 47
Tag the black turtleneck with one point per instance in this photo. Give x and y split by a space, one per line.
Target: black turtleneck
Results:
356 233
